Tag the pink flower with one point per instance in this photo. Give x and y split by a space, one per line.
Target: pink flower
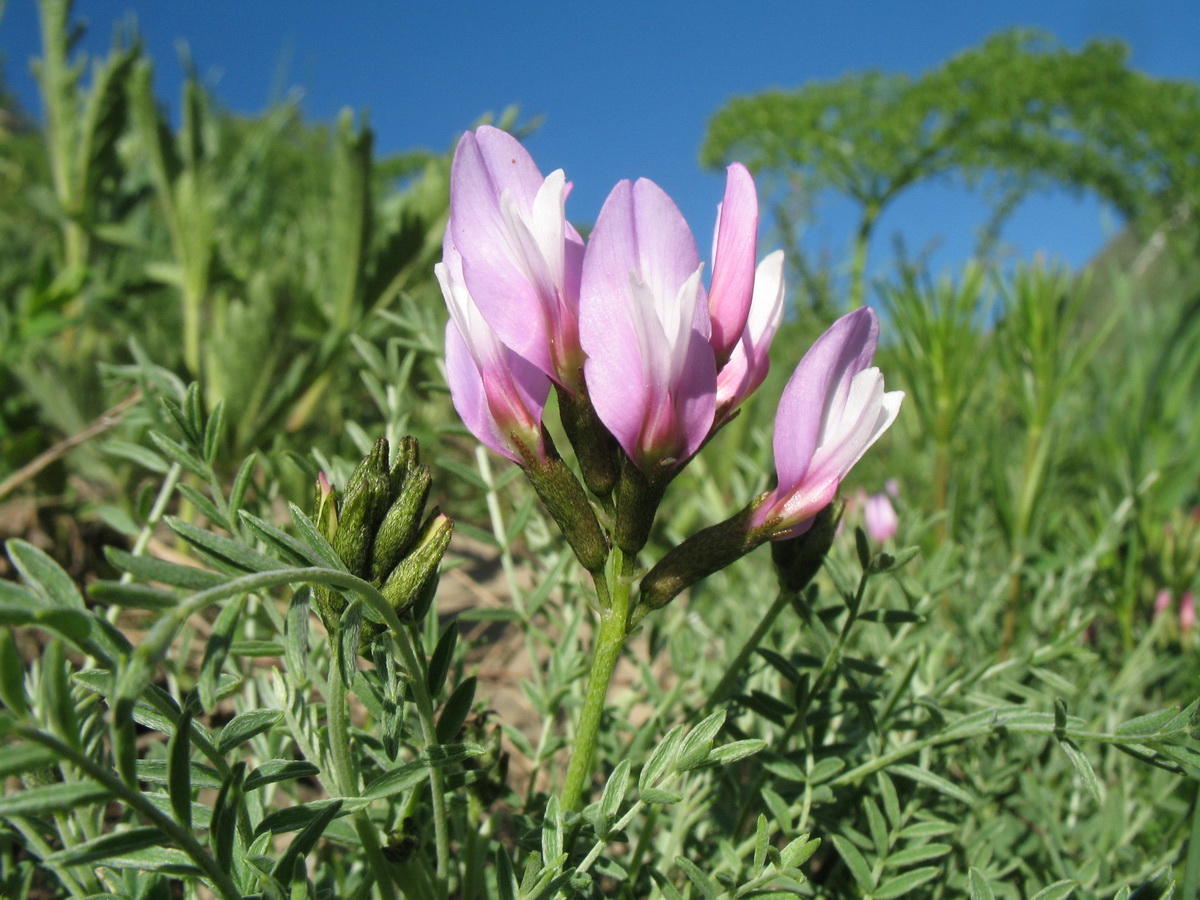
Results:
520 259
499 395
1187 612
832 409
645 327
880 518
1162 602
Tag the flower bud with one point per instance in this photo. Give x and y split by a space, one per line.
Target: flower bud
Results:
366 501
401 524
414 573
408 457
377 530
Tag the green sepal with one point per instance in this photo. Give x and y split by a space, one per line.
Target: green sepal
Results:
568 505
595 447
797 560
637 497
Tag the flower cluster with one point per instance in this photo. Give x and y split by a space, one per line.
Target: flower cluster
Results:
648 362
379 528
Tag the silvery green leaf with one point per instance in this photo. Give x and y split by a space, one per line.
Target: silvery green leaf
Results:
912 855
1060 890
662 757
147 568
978 886
274 770
902 885
937 782
614 791
694 748
61 797
703 883
1084 769
732 752
115 843
242 728
855 862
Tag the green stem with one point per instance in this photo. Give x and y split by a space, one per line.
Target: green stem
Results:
424 703
345 777
338 712
614 623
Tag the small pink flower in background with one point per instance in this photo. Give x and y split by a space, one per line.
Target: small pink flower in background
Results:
520 259
892 488
1187 612
1162 603
644 324
832 410
880 517
498 394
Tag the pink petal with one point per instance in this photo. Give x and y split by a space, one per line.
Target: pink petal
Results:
734 246
820 383
750 361
521 260
644 326
880 518
499 395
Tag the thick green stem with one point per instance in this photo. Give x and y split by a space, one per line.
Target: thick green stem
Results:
858 265
614 624
345 777
424 704
337 709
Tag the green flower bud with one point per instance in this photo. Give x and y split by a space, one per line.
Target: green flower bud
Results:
415 572
365 503
329 602
408 457
376 522
402 523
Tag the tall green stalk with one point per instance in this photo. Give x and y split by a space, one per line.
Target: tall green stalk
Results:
606 650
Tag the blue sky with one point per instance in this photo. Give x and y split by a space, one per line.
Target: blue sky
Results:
624 88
